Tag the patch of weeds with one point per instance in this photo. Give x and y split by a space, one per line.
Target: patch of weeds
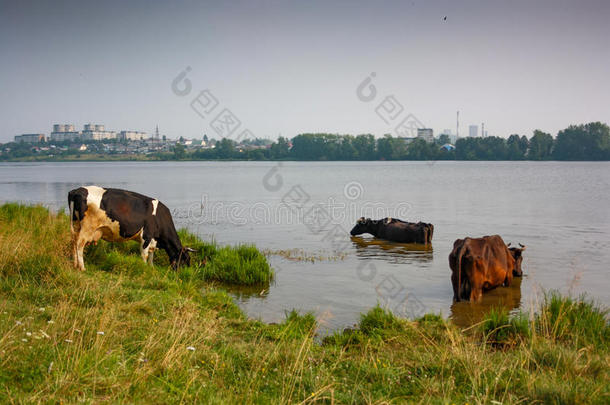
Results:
501 330
380 322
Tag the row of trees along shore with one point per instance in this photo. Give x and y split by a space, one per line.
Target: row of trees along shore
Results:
577 142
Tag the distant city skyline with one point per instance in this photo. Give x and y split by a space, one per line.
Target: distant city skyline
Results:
293 67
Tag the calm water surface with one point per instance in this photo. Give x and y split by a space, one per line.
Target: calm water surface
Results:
305 211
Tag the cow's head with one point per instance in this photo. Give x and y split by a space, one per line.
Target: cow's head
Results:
182 259
363 225
517 254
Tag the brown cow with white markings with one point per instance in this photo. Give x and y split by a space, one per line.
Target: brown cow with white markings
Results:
118 216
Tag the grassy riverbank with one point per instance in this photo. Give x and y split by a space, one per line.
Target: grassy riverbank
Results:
126 332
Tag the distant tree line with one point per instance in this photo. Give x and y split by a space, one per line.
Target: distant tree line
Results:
577 142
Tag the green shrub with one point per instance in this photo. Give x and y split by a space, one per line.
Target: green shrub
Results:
500 329
579 321
244 265
380 322
295 326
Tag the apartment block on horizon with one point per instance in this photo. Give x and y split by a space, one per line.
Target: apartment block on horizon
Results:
473 131
64 132
427 134
96 132
30 138
132 135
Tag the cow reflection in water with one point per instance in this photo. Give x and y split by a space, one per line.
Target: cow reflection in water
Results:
466 314
393 252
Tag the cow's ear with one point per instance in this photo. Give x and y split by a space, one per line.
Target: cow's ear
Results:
360 220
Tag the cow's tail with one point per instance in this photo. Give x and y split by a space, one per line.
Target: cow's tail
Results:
459 264
71 204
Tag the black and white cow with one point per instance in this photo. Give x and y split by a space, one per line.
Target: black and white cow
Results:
119 215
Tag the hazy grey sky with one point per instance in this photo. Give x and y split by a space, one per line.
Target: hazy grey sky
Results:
292 67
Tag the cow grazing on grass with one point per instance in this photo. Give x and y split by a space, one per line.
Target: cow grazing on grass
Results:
480 264
117 216
395 230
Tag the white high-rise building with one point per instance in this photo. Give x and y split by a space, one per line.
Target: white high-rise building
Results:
30 138
132 135
97 132
64 132
473 131
427 134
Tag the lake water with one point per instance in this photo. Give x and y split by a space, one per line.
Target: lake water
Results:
559 210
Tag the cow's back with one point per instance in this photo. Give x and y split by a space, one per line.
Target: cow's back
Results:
401 231
493 257
131 210
499 262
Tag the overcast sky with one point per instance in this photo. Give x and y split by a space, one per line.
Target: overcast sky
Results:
292 67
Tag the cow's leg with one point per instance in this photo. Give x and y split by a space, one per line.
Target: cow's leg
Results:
476 291
151 251
476 282
147 249
509 278
144 249
80 248
81 242
75 238
456 287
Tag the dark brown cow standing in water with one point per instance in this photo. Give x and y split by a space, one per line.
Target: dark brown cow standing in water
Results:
395 230
117 216
480 264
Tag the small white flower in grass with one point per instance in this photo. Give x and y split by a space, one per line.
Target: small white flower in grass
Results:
44 334
100 333
190 348
18 323
28 333
24 340
68 340
50 321
41 309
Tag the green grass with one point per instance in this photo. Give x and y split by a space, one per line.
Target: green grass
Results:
236 265
379 322
576 321
500 329
52 348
